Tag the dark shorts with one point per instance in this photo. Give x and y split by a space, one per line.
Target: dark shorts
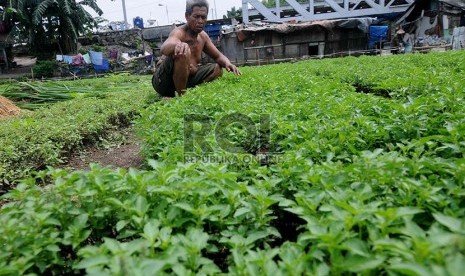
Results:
162 80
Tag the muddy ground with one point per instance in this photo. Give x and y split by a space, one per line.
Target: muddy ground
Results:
123 153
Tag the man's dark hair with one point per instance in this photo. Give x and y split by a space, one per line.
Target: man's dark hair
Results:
190 4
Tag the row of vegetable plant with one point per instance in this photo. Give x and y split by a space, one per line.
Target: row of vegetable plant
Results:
362 182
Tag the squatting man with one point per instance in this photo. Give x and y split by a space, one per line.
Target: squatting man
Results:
179 67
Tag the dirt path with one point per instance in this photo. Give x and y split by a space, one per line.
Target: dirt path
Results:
22 69
119 155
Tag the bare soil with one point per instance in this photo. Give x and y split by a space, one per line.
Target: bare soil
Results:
118 155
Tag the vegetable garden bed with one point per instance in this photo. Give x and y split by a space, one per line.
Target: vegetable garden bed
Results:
85 111
368 178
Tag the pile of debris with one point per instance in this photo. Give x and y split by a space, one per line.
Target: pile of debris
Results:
7 108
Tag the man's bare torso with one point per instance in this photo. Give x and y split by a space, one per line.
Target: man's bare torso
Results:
196 44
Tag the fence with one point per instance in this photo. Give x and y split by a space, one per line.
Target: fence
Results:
266 54
458 38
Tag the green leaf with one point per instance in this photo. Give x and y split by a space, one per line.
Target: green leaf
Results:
357 247
121 224
155 164
408 211
151 231
185 207
454 224
255 236
91 262
141 205
241 211
360 264
322 269
198 237
152 267
53 248
112 245
253 190
52 221
410 269
81 221
455 265
115 201
411 229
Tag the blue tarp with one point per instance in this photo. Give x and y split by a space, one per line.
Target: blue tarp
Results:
96 57
138 22
213 30
104 67
377 34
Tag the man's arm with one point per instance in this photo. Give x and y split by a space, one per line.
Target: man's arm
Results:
173 46
219 58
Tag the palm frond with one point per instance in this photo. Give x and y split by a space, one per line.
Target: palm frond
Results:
70 27
65 6
91 4
40 11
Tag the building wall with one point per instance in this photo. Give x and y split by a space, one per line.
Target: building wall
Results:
343 41
266 45
131 38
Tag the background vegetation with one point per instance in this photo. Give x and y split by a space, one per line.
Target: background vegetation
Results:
49 26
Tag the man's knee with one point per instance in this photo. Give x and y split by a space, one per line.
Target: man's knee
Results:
181 60
218 71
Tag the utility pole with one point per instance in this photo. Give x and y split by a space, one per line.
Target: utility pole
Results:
167 14
124 14
216 13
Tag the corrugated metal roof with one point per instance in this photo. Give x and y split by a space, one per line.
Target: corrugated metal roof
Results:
155 33
352 23
455 3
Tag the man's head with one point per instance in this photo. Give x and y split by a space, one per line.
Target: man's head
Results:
190 4
196 15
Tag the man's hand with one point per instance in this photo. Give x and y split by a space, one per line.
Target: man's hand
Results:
181 49
232 68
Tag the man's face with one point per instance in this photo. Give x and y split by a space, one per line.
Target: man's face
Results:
196 21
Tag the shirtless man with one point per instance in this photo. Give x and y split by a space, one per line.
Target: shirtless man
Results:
182 53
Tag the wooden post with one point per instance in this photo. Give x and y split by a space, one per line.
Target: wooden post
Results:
258 55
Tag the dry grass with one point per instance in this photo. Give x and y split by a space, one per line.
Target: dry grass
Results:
8 108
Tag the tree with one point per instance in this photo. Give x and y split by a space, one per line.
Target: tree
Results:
6 26
233 12
51 25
